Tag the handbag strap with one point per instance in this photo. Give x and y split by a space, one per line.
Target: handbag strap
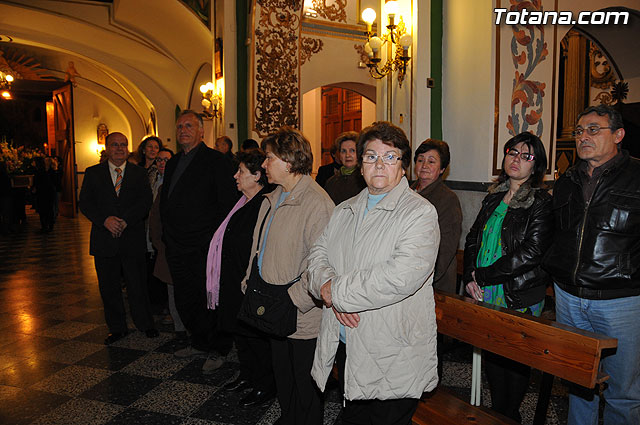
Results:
255 258
260 233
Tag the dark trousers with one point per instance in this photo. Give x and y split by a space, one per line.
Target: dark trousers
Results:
508 383
188 271
110 270
254 353
157 288
373 412
300 400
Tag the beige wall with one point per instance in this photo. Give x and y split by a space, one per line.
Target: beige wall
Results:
92 107
311 124
468 88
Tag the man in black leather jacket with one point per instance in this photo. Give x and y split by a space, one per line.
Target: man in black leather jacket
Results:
595 260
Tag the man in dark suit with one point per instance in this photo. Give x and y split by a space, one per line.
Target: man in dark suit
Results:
116 197
197 194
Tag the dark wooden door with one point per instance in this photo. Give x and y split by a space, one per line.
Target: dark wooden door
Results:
341 111
65 147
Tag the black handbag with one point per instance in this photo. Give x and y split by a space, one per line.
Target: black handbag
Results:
265 306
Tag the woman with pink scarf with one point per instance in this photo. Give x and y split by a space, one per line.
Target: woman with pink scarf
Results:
227 263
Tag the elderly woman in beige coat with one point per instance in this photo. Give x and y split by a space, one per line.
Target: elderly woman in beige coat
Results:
294 215
373 269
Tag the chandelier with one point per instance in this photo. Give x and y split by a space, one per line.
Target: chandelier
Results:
397 39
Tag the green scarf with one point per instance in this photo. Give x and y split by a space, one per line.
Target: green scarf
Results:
347 171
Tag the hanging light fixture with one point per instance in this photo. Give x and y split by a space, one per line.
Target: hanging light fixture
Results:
396 38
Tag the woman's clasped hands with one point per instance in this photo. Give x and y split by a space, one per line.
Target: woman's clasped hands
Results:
350 320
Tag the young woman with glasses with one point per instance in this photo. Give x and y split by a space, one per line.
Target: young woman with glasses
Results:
503 253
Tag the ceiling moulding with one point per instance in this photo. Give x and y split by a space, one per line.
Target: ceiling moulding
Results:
106 23
334 30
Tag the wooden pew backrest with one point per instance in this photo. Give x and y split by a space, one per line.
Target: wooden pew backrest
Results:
551 347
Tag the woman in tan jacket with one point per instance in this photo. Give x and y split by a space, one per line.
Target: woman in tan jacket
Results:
294 215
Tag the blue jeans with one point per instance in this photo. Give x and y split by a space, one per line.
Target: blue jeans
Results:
617 318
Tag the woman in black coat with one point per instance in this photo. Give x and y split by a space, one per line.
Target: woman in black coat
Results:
503 252
227 263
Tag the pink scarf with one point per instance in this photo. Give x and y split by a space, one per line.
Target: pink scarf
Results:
214 258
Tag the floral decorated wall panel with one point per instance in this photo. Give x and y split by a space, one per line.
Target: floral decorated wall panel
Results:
276 65
525 79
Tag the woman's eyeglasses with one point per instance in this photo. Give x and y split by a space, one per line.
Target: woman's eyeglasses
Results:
387 158
525 156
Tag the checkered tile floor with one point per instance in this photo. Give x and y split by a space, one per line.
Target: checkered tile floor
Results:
55 369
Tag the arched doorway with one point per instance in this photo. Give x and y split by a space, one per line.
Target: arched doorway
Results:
332 109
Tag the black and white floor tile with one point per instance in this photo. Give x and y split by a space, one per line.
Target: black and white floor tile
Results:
55 369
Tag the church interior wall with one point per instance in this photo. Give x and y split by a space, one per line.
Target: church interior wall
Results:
468 97
92 108
312 123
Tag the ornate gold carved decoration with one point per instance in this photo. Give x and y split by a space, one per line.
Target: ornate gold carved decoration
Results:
277 69
309 46
335 12
602 74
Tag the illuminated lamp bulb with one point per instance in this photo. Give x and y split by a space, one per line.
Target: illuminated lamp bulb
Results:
368 50
405 42
375 43
203 89
391 8
369 15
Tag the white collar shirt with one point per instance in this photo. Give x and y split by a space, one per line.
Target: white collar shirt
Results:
113 173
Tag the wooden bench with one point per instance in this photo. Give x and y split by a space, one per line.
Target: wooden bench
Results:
555 349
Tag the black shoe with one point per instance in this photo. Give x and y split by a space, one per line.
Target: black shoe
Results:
256 398
113 337
152 333
237 384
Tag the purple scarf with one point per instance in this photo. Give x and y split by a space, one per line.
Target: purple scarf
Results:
214 258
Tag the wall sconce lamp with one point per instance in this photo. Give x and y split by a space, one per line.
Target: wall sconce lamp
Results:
396 35
211 102
5 84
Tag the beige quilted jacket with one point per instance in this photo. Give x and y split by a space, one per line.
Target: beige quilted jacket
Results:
382 268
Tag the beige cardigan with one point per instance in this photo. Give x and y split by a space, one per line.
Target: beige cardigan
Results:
296 225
